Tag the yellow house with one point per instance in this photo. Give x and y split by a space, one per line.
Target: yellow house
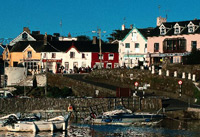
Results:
26 53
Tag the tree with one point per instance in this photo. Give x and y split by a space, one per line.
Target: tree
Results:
118 34
193 58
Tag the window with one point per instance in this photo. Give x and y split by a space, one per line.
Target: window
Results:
83 55
137 45
24 36
66 65
53 55
83 64
110 56
101 57
174 45
109 65
44 55
145 46
15 64
176 30
190 29
156 47
31 65
194 45
134 36
162 30
29 54
127 45
72 54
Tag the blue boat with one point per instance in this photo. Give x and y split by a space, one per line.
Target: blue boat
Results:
126 117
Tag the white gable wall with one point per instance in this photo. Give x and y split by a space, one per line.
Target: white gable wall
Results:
130 56
19 38
78 60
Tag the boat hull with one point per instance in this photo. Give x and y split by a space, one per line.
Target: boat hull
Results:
128 119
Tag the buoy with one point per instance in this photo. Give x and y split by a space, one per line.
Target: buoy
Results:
70 108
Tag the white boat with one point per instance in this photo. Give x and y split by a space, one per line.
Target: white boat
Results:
57 123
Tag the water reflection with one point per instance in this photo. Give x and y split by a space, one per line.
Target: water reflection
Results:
167 128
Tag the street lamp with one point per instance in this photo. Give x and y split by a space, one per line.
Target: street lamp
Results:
100 50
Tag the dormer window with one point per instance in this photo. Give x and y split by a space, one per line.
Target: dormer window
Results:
191 27
176 28
162 30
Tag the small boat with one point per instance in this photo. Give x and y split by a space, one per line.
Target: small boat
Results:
126 117
14 125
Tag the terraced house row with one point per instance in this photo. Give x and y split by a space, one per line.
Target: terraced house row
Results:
167 41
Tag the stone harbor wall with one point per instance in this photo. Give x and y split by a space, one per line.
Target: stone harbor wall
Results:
82 106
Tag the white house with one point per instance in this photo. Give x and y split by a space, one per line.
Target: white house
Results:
133 48
68 54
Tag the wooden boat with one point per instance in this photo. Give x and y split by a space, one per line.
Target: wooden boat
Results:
126 117
57 123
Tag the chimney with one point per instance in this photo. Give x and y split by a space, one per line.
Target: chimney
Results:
131 26
69 35
160 20
123 26
27 30
94 40
45 39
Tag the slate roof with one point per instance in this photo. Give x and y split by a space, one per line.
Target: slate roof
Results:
38 46
170 28
63 46
145 32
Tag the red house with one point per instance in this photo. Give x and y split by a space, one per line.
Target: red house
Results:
110 56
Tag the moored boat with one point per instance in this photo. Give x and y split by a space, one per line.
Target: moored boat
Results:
126 117
57 123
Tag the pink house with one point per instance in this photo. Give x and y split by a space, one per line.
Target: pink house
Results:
173 40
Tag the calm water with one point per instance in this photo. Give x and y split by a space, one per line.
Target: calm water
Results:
168 128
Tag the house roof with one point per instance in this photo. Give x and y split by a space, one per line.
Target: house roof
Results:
145 32
63 46
38 46
84 46
170 28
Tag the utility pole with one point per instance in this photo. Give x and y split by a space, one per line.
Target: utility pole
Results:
99 31
46 76
100 50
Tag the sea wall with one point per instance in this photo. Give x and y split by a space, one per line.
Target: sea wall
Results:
82 106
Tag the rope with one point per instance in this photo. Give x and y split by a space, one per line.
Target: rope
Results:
175 119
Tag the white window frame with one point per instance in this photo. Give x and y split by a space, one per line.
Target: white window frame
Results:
29 54
177 29
111 56
162 30
191 27
100 57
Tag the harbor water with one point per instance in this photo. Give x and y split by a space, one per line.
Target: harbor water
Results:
167 128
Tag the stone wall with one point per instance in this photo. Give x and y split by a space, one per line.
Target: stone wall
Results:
82 106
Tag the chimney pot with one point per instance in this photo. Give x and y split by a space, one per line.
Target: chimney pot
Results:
27 30
45 39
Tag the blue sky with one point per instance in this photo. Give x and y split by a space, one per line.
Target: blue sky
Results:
80 17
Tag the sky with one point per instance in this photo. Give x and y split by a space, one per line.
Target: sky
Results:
81 17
